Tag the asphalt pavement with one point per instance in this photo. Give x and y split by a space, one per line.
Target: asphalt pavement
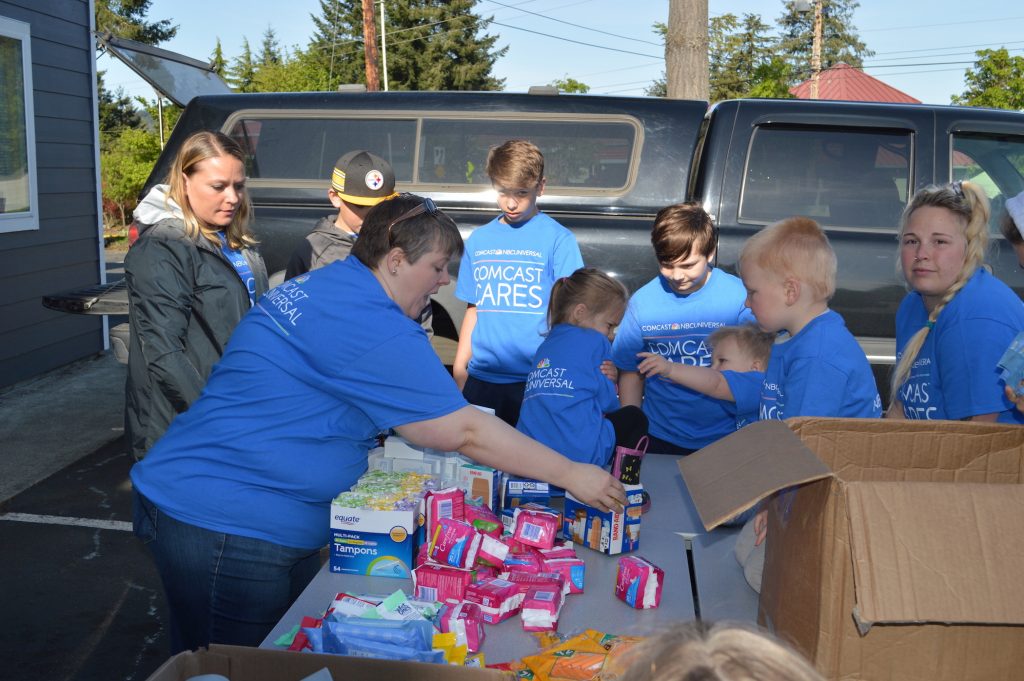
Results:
80 597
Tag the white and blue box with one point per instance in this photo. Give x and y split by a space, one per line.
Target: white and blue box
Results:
608 532
369 542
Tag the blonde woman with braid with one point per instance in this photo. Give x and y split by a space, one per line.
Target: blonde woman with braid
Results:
953 326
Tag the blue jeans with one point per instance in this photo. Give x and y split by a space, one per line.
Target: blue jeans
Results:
221 588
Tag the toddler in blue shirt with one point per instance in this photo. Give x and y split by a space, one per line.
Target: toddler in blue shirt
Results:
739 355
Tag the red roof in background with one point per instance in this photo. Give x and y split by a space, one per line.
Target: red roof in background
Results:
842 81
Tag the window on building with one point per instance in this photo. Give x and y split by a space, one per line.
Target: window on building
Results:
839 177
18 200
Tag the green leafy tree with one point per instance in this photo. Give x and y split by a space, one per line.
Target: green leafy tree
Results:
839 39
570 85
125 164
242 74
996 80
296 72
771 79
218 62
431 45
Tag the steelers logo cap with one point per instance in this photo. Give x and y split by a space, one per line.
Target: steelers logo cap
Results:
363 178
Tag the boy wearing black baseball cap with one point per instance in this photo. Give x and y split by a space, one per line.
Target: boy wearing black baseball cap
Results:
359 182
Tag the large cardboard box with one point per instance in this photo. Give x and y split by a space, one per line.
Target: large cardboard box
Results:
895 548
239 663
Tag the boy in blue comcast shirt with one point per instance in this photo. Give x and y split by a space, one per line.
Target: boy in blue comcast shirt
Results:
505 278
739 356
672 316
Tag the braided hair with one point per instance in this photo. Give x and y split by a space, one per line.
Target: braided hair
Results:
967 201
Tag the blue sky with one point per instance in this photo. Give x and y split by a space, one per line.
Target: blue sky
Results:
922 47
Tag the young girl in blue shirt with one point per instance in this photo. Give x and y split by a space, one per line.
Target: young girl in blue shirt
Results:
570 403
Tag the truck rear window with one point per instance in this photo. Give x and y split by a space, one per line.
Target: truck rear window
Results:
841 178
583 155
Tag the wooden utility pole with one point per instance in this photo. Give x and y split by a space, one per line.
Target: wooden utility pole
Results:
816 50
686 50
370 47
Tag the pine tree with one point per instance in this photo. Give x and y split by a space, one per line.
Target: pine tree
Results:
270 50
218 62
242 73
739 53
839 39
431 45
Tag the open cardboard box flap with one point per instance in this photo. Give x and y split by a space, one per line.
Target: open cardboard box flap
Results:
937 552
734 473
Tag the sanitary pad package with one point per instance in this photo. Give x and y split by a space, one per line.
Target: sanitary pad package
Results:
498 599
541 607
638 582
455 543
466 621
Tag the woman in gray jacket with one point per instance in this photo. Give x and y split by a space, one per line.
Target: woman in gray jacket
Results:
192 275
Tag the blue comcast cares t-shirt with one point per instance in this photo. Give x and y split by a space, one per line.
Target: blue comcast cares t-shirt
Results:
507 271
676 327
567 396
955 374
317 368
820 371
746 392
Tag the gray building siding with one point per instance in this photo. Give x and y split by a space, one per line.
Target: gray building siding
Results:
64 253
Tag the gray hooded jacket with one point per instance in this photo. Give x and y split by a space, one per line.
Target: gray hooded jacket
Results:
185 298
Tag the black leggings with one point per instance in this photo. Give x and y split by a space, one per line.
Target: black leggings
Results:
630 424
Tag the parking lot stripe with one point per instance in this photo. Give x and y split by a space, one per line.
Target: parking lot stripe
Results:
119 525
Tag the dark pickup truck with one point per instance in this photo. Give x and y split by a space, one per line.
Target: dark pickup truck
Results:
613 162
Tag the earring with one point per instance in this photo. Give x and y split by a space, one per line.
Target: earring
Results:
394 271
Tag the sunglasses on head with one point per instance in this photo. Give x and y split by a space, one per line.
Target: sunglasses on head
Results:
958 188
428 206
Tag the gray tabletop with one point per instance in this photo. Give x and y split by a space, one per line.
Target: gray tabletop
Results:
722 590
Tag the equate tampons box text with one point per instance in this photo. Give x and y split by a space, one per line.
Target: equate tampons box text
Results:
368 542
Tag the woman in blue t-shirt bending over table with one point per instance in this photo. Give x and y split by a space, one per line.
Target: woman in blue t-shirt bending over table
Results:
234 500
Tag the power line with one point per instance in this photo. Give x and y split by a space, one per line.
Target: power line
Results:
569 23
570 40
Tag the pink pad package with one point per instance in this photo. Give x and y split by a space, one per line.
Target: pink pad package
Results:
541 608
455 543
483 520
522 562
443 503
638 582
466 621
573 570
498 599
562 549
492 552
433 582
526 580
535 527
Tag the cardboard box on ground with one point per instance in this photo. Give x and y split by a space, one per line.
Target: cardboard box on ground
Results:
239 663
899 554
